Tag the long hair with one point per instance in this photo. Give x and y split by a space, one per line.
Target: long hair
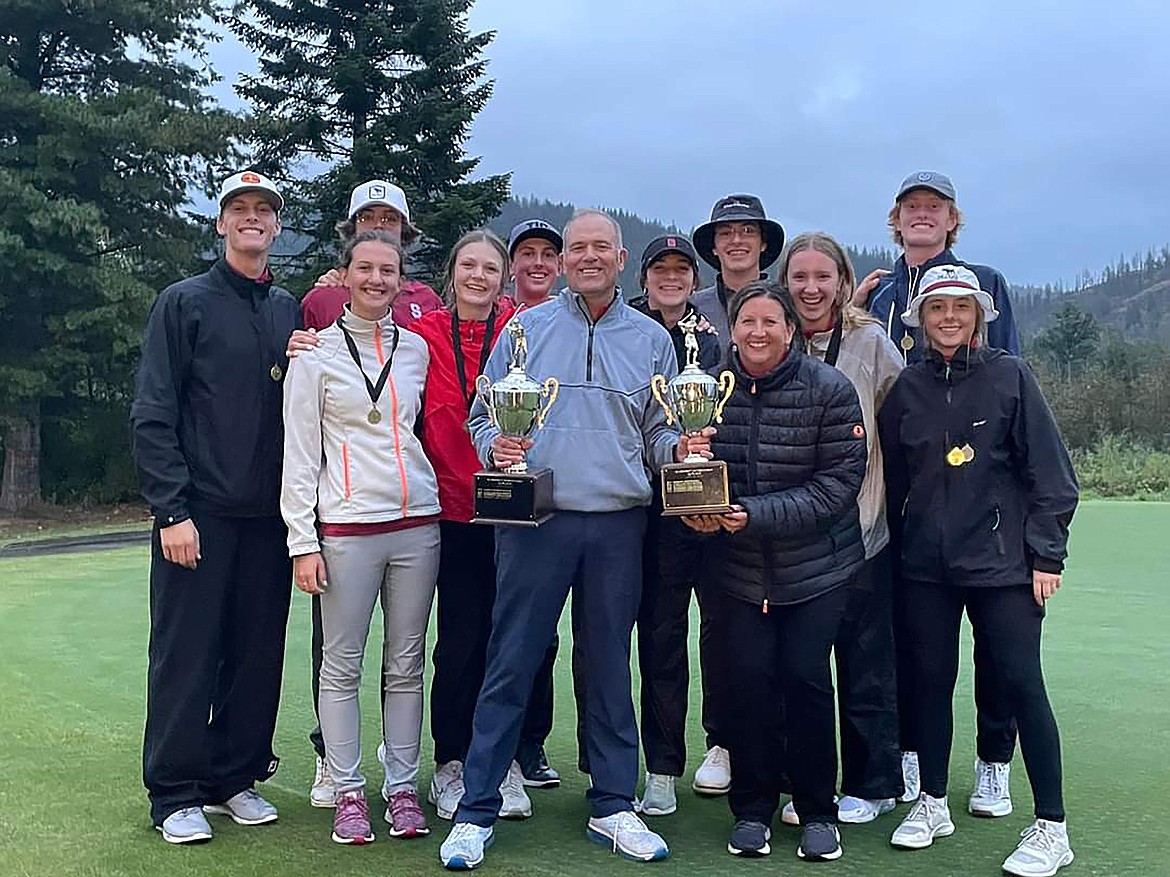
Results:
475 236
851 315
978 335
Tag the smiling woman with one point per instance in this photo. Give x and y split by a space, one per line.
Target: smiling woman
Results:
372 268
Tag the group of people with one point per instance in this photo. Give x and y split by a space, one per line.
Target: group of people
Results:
891 463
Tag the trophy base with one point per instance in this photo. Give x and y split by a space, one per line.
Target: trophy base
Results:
695 489
523 499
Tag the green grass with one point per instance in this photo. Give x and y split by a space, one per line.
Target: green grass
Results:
74 628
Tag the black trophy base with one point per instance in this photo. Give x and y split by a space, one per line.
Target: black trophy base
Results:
523 499
695 489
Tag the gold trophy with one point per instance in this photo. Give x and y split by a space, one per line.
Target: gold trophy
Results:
515 494
694 399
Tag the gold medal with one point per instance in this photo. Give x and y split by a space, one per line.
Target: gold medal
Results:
907 342
276 373
968 453
375 416
956 457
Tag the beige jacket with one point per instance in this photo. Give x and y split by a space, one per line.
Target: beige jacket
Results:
338 467
871 361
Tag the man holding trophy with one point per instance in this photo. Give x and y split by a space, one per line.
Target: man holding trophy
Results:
603 433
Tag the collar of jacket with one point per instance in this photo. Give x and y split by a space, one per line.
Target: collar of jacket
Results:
642 305
722 290
777 377
243 286
362 328
946 257
965 360
576 303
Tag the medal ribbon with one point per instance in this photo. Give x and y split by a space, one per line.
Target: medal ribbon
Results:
374 389
461 363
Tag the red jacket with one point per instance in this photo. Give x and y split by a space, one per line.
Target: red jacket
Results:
323 304
444 437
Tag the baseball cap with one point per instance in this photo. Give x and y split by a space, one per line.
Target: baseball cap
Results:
534 228
250 181
933 180
669 243
952 280
374 193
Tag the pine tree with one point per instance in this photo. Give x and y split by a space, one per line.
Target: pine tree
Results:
370 89
103 129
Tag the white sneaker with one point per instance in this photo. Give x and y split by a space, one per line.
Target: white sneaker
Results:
464 846
1043 851
628 836
928 818
858 811
911 778
516 803
323 792
659 798
714 775
447 789
992 795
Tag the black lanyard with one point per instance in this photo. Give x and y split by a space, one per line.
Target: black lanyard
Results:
375 390
460 362
834 345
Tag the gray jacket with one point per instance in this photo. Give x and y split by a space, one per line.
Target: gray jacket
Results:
605 433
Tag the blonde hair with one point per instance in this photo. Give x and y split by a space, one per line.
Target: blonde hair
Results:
952 235
475 236
851 315
979 335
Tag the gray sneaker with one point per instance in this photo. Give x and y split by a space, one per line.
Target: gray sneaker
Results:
627 835
186 826
245 808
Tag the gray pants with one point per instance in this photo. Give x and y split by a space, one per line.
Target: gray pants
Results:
401 568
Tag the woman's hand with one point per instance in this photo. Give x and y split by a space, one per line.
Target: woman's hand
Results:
309 573
507 450
695 443
332 277
301 341
703 523
1044 585
734 520
866 286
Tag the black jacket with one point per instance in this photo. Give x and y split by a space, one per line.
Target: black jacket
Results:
991 521
795 451
206 417
709 351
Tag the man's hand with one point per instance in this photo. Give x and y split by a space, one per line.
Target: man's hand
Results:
734 520
1044 585
703 523
332 277
180 544
507 450
866 286
301 341
699 443
309 573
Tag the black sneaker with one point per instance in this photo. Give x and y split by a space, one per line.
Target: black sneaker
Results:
534 767
819 842
749 839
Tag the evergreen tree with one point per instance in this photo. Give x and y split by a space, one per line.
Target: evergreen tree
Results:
103 128
370 89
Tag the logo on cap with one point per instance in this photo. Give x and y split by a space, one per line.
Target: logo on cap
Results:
925 177
740 205
377 192
249 177
672 242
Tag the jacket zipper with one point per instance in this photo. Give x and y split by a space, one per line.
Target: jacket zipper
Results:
753 462
589 349
946 474
998 533
345 467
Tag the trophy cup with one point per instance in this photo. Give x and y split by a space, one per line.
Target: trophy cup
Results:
696 486
516 494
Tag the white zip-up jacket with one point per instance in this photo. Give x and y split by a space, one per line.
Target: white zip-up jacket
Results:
339 468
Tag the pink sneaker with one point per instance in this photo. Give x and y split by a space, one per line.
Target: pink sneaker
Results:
351 820
405 816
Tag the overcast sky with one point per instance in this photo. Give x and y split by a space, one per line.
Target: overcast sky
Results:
1052 118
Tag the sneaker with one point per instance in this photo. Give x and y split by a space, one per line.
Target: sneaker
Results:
628 836
1043 851
992 796
911 778
659 798
186 826
858 811
534 766
714 775
819 842
323 792
447 789
928 818
405 816
245 808
516 803
788 814
464 846
351 819
749 839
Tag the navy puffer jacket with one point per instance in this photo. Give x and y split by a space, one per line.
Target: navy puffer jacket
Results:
795 450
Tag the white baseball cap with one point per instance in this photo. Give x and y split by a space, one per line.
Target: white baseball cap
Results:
953 280
379 192
250 181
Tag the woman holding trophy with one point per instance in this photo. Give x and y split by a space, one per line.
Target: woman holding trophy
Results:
362 507
794 443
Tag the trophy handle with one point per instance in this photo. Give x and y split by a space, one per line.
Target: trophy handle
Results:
551 387
483 384
726 388
658 388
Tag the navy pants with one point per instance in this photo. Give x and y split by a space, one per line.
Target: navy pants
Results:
215 663
598 555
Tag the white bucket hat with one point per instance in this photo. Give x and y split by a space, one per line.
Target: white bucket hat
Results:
953 280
